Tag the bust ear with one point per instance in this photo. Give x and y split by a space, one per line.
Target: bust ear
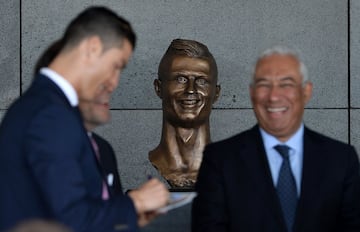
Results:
157 87
217 93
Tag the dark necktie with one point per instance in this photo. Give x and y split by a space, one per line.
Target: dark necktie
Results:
286 187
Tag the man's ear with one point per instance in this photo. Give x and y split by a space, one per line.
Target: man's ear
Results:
93 47
157 87
217 93
307 91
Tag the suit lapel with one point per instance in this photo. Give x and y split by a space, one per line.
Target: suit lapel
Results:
311 177
252 153
107 166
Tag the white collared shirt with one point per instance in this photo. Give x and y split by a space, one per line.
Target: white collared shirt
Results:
295 155
63 84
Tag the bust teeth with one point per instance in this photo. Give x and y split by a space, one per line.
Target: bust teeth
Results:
189 102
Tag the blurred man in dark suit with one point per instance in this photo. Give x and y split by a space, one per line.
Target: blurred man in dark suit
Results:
47 162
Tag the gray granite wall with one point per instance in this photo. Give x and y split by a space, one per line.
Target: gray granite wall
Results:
9 53
326 31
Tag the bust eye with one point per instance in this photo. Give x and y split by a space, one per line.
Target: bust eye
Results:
200 81
181 79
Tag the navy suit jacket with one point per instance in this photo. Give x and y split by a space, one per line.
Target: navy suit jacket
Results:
236 191
48 168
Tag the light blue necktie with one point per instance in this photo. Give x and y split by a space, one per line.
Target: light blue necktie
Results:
286 187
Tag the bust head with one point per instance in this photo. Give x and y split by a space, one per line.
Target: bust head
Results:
187 83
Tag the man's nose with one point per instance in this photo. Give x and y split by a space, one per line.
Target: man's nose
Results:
113 83
274 92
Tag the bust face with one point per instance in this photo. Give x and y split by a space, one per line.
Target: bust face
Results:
188 91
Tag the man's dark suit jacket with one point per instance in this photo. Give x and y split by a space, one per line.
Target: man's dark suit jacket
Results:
48 168
236 191
108 165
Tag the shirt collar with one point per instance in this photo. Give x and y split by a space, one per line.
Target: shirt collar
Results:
294 142
63 84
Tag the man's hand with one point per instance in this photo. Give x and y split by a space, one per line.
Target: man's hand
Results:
148 198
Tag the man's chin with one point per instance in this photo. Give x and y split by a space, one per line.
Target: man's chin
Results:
190 122
189 116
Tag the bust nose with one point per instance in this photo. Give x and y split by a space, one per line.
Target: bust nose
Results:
191 88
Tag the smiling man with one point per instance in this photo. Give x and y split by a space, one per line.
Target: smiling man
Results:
187 85
280 175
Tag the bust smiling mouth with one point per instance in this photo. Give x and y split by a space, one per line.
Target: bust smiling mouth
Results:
190 103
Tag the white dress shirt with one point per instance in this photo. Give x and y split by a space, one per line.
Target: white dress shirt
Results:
63 84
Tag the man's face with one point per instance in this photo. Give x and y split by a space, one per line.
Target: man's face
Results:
278 95
96 113
103 69
188 91
105 77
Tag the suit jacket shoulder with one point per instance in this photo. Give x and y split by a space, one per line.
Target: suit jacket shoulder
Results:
248 139
328 150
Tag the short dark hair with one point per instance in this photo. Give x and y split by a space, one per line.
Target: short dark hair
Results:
96 20
48 56
189 48
99 21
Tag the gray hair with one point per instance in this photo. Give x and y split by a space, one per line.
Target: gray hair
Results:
282 50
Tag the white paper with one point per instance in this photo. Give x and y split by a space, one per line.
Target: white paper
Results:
178 199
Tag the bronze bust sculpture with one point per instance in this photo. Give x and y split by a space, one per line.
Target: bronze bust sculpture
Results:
187 85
